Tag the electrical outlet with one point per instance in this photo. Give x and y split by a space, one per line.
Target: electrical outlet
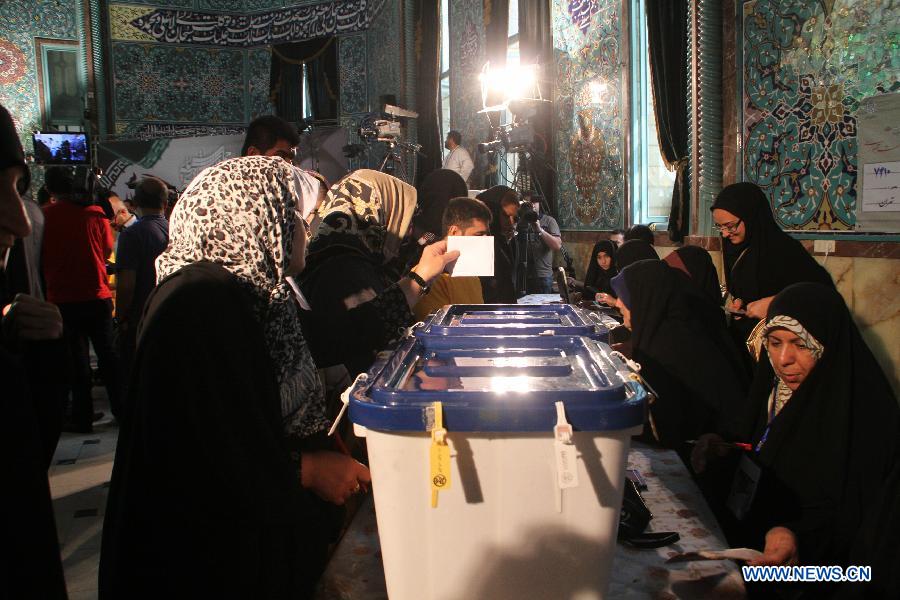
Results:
823 246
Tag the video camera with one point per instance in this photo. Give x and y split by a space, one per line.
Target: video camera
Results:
380 130
526 215
514 137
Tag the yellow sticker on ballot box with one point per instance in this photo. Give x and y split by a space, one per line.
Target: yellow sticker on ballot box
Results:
440 456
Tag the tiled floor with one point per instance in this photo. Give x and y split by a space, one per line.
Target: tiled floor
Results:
79 478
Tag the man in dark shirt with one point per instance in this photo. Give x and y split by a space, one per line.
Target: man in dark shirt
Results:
543 239
138 247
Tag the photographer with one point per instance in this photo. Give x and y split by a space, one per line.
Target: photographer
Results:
542 238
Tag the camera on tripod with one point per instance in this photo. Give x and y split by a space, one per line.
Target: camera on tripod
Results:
526 215
380 130
400 155
515 137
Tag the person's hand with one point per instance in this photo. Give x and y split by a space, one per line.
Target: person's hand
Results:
709 447
760 308
605 298
333 477
434 260
30 319
623 347
570 281
781 549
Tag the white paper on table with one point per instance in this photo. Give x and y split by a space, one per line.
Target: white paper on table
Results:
881 187
745 554
476 255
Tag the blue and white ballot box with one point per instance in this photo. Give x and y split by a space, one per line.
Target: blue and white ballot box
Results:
496 459
467 320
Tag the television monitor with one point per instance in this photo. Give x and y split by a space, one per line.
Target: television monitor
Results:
60 148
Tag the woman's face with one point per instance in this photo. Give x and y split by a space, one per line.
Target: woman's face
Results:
626 314
298 254
730 226
604 260
791 358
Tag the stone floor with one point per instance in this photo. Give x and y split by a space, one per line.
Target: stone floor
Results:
79 479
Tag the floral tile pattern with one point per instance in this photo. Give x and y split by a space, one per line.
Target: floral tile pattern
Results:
221 5
156 82
352 61
120 27
258 65
159 3
467 56
807 65
590 190
383 54
23 20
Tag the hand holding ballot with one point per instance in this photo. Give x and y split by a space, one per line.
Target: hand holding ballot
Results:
476 255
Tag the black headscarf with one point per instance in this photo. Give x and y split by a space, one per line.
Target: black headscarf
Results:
499 289
11 153
434 194
768 260
685 353
596 279
633 251
242 526
697 264
833 444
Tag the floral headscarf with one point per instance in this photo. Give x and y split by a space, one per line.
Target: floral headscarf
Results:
367 210
241 214
781 393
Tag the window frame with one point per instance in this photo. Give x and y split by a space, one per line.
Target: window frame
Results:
640 107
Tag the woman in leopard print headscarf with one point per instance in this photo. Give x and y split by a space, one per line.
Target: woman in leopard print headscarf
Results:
223 482
241 214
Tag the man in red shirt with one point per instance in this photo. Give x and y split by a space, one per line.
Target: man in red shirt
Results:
77 242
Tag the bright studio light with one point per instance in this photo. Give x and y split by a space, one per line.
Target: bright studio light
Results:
514 82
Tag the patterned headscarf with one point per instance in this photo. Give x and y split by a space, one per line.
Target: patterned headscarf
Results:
366 210
241 214
781 393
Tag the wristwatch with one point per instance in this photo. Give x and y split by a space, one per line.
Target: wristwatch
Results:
418 279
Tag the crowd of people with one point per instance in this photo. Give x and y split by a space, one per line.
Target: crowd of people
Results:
266 276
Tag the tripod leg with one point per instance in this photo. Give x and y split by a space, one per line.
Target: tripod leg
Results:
384 164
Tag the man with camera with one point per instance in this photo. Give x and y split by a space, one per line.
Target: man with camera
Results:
542 238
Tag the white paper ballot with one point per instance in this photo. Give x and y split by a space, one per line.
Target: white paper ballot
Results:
881 187
476 255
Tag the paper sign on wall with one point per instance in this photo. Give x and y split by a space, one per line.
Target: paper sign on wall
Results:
881 187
